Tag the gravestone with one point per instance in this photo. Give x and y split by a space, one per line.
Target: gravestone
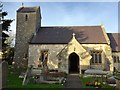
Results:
3 74
0 75
117 83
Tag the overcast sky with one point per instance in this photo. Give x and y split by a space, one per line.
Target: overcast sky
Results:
71 13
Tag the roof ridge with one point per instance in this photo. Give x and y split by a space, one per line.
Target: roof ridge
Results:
70 26
24 8
114 33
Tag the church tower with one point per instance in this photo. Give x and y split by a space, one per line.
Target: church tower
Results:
27 23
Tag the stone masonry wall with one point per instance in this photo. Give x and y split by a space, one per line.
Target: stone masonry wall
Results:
117 64
34 55
54 49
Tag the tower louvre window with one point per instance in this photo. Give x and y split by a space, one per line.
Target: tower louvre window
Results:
26 17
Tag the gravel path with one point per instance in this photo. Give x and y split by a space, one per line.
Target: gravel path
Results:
73 81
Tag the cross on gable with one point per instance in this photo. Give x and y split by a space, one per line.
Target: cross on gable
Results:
73 35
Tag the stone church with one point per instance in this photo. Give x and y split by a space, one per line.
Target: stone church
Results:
70 49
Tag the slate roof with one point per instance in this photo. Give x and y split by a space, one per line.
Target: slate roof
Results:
27 9
114 41
63 34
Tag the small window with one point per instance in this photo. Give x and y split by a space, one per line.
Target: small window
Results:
92 61
26 17
96 60
25 55
118 59
100 60
114 58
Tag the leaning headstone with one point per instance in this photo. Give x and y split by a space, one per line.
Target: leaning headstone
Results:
3 74
27 76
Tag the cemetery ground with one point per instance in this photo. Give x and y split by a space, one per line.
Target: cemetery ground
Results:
15 82
91 79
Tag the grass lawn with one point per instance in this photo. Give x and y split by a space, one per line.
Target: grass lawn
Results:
91 79
15 82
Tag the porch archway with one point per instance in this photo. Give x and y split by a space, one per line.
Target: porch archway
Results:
73 63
